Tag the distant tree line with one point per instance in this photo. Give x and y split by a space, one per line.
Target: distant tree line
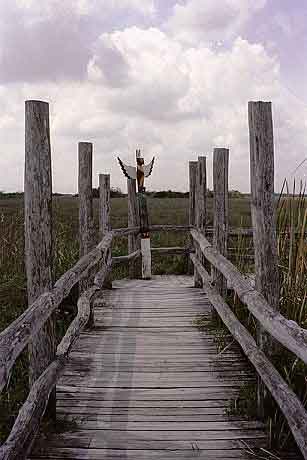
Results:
116 192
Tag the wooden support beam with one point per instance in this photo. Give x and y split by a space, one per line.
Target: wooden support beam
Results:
104 216
287 332
263 217
134 242
192 208
201 187
104 205
38 232
286 399
86 237
146 258
192 192
200 208
220 210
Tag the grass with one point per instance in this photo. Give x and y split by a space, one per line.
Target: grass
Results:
292 249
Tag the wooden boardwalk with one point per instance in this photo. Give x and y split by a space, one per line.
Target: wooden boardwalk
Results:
145 383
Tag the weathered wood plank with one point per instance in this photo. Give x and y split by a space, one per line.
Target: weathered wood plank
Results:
118 379
263 219
27 423
288 333
220 212
38 232
286 399
15 337
86 230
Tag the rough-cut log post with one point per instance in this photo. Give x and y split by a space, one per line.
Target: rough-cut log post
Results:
263 216
104 216
104 205
38 232
192 191
134 242
201 186
220 210
192 206
200 208
86 240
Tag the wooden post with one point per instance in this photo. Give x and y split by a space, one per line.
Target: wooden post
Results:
220 209
201 187
263 217
104 205
200 210
192 192
38 232
86 241
133 221
192 211
104 216
145 238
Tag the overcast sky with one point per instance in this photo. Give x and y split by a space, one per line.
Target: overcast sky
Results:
170 77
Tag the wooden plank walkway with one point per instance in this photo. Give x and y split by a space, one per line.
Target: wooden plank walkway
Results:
145 383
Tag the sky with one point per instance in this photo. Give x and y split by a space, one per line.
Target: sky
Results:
171 77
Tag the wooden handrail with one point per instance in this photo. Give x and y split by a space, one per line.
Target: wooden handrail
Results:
173 250
287 332
286 399
18 334
20 440
123 259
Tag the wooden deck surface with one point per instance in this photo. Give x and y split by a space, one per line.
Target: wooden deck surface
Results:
145 383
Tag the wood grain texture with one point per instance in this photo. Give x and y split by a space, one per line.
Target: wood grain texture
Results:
263 217
18 334
86 230
220 212
38 231
286 399
28 421
134 243
201 187
104 205
287 332
192 192
104 216
134 390
146 258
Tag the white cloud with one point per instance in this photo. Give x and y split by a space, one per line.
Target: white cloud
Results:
210 20
143 87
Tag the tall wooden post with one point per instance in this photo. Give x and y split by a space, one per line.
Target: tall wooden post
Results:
263 216
38 232
133 221
104 216
201 186
192 192
200 208
192 211
104 204
86 240
220 210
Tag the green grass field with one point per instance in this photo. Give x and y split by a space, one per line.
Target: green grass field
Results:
292 249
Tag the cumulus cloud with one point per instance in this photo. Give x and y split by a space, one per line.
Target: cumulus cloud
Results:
209 20
143 87
52 39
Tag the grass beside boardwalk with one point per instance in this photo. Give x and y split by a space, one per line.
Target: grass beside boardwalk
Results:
292 249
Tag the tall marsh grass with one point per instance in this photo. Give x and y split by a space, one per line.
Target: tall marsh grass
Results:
292 266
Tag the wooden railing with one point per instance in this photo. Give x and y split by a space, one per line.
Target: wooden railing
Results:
15 338
288 333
